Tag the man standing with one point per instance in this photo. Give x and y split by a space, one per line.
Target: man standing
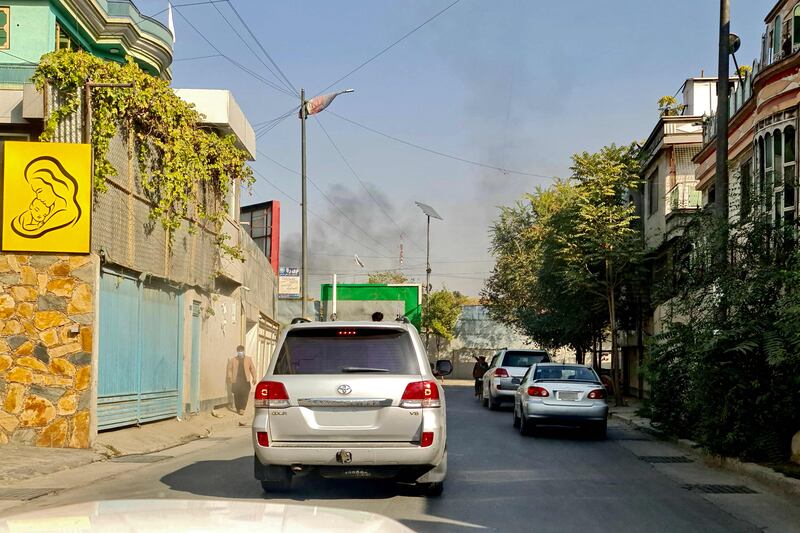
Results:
241 377
480 368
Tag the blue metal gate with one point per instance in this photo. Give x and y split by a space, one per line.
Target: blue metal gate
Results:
139 359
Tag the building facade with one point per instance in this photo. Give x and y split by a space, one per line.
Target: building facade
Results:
137 329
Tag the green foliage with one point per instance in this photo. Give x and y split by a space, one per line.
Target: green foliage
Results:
387 276
441 311
744 70
528 288
726 372
187 171
668 106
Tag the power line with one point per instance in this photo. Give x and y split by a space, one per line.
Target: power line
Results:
363 186
338 209
244 41
157 13
389 47
260 46
29 62
232 61
442 154
195 58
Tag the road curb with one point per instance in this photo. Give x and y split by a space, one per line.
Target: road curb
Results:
762 474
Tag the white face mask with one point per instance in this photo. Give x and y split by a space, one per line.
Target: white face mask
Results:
239 354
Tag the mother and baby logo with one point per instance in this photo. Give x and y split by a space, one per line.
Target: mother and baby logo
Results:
46 197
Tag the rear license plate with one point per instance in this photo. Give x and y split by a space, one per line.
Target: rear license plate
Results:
516 381
568 395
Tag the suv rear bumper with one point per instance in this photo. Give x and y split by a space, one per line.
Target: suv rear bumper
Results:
362 453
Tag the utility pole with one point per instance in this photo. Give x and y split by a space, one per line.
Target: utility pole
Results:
304 208
428 263
723 92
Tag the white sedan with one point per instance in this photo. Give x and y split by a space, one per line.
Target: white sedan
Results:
561 395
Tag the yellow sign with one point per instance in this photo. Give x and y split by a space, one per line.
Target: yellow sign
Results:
47 197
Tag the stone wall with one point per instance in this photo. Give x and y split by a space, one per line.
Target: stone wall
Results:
46 320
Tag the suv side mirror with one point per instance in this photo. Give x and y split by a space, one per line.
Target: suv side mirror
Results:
444 367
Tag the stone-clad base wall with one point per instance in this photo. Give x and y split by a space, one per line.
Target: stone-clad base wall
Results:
46 318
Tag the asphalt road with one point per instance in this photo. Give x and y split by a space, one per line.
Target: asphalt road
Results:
498 480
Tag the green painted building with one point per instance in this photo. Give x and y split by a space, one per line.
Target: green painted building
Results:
357 301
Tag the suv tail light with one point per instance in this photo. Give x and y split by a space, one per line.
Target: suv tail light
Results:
263 439
500 373
271 394
539 392
596 394
420 394
427 439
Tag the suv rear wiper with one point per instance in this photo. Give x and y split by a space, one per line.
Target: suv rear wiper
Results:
356 369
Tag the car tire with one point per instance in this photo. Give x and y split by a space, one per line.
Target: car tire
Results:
494 405
599 430
431 490
526 429
516 418
278 485
484 400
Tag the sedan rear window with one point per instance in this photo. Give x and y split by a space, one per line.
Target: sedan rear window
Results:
565 373
347 350
524 359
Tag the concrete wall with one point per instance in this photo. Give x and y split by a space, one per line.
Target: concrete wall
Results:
47 324
32 31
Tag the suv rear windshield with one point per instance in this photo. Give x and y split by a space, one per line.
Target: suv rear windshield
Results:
524 359
347 350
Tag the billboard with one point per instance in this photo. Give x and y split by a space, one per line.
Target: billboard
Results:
288 282
47 197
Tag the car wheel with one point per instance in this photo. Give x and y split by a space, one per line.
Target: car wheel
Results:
431 490
494 405
516 418
484 400
599 430
525 427
279 485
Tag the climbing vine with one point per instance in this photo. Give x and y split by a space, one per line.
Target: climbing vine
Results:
187 171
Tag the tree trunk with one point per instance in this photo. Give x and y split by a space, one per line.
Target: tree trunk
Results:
612 319
580 355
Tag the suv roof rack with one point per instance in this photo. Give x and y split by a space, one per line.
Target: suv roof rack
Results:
404 319
300 320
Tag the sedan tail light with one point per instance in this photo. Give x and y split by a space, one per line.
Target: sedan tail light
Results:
272 395
596 394
500 373
539 392
420 394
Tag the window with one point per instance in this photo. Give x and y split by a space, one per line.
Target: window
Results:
564 373
796 25
652 193
5 28
350 350
776 37
712 196
745 188
523 359
64 41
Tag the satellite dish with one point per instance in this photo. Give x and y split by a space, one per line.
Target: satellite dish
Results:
734 43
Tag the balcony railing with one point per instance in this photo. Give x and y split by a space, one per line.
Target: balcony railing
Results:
739 96
683 197
126 8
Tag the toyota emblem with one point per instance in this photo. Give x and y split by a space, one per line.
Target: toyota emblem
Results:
344 389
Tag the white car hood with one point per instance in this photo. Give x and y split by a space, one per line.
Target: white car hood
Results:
131 516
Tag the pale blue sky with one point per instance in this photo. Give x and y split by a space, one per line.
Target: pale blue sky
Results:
519 84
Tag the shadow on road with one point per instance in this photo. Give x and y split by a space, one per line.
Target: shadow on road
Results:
234 479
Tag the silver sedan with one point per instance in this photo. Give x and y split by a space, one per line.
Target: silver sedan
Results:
563 395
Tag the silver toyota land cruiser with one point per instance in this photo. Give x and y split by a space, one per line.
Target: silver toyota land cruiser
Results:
351 400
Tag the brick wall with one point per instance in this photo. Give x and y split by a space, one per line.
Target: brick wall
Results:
46 317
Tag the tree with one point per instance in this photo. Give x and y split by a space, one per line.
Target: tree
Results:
528 288
668 106
440 313
387 276
604 249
